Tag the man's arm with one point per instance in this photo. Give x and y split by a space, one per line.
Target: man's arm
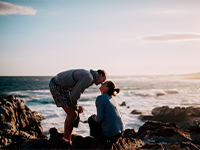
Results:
78 89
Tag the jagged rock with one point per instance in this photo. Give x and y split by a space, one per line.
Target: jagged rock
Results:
189 123
129 133
185 118
136 112
127 141
57 143
3 141
152 135
20 129
152 125
182 146
162 132
151 146
123 103
79 142
54 132
160 94
37 143
195 135
17 121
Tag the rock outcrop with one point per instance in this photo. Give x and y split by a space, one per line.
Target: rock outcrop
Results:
16 118
123 103
184 117
152 135
17 122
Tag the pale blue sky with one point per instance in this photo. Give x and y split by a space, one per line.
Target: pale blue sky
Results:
123 37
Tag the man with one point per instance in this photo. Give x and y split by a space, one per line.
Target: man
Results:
66 89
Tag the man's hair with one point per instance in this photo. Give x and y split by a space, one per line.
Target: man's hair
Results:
100 71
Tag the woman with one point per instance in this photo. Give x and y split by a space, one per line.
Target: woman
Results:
108 121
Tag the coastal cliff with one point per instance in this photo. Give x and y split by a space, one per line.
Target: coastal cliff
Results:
20 128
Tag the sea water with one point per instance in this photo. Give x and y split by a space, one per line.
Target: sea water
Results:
142 93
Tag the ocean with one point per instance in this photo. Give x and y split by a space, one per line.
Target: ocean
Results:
141 93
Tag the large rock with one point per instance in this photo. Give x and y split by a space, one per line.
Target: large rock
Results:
158 131
127 141
185 118
182 146
194 134
17 122
20 129
152 135
152 146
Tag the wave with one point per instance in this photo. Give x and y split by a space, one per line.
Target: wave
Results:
40 101
29 92
174 91
148 93
36 97
33 97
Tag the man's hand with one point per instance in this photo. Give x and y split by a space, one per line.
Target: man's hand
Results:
81 109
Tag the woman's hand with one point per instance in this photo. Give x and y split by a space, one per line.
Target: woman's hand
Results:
81 109
93 115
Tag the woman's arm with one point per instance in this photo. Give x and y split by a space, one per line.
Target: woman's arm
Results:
100 107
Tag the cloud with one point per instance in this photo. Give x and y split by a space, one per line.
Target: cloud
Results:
173 37
8 8
173 11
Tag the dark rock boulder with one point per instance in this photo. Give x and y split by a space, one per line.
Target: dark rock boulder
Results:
79 142
36 143
151 146
162 132
129 133
153 125
194 134
182 146
56 143
152 135
20 129
127 141
185 118
123 103
149 137
17 122
136 112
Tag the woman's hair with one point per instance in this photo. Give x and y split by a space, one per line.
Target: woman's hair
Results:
112 88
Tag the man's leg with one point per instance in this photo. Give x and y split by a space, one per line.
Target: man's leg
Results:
69 121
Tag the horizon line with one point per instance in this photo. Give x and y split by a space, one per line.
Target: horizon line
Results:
108 75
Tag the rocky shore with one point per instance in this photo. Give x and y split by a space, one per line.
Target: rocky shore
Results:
166 129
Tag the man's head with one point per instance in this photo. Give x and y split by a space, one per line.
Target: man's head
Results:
101 78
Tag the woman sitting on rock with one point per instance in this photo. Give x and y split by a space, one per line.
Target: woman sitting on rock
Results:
108 121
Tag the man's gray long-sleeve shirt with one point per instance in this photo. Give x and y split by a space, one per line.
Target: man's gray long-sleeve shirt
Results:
76 81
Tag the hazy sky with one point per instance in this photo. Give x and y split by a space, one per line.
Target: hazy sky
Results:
123 37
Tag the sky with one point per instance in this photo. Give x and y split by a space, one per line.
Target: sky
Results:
123 37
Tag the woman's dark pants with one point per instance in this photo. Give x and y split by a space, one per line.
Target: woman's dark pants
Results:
96 131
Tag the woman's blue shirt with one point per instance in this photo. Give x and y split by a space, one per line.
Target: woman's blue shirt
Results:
109 115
